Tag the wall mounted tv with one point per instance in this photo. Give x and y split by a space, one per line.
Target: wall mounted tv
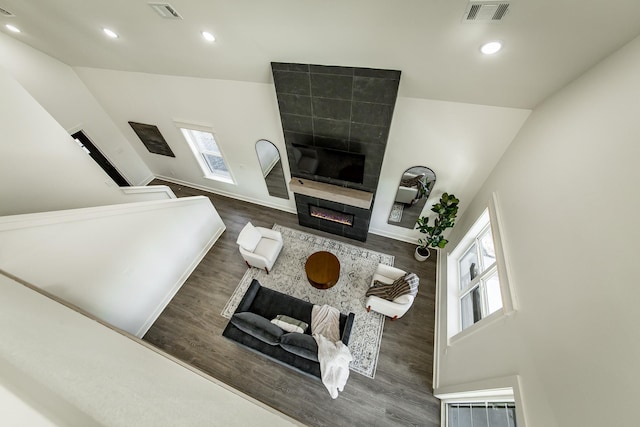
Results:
328 163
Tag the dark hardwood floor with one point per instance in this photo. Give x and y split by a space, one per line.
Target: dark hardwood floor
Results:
190 329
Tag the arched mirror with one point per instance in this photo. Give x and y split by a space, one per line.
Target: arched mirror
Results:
413 191
271 165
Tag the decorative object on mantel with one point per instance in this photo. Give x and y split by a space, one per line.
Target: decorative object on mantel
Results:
357 267
152 139
446 210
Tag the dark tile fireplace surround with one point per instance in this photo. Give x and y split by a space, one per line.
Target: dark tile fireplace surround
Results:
343 108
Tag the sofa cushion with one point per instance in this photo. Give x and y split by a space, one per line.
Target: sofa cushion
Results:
302 345
289 324
249 237
258 327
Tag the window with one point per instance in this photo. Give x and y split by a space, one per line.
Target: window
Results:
488 414
492 402
208 153
478 281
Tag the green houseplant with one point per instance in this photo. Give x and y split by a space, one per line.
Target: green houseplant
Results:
446 210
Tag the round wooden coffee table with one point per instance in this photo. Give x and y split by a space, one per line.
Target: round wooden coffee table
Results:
323 270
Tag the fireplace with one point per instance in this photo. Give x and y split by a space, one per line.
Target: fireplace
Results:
331 215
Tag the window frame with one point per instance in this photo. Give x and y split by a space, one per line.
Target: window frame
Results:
490 215
493 390
479 281
479 402
200 154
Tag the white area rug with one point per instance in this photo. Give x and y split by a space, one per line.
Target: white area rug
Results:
357 266
396 212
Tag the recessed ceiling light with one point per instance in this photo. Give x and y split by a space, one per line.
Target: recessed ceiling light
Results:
491 48
110 33
208 36
12 28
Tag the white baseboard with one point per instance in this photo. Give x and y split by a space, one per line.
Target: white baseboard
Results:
228 194
394 236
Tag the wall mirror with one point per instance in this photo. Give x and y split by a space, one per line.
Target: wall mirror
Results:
413 191
272 171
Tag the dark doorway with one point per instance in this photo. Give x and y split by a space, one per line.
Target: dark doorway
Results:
99 158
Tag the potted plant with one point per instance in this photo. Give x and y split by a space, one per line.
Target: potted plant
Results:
446 210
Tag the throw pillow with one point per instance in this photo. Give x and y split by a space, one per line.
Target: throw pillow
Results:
249 237
258 327
302 345
289 324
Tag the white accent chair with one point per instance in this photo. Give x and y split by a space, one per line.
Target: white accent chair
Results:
259 246
396 308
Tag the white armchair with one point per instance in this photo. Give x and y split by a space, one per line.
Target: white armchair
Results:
259 246
396 308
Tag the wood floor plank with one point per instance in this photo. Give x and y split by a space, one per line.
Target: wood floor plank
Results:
190 328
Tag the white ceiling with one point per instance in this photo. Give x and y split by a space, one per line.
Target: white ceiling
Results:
547 43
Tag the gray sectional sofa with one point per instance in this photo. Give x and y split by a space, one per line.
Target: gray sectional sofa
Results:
251 327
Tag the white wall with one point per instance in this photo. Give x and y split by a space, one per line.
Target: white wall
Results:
43 169
58 89
75 372
16 413
121 263
239 113
567 194
460 142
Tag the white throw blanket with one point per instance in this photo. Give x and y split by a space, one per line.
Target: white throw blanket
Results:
333 355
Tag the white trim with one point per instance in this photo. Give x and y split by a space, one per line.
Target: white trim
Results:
14 222
391 235
206 169
509 300
149 189
441 268
228 194
480 324
79 128
491 215
491 389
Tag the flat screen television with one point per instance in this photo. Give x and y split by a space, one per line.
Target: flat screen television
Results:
329 163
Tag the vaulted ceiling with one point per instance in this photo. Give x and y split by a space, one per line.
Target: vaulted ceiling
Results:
547 43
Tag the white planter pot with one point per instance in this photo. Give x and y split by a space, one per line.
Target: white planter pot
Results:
420 257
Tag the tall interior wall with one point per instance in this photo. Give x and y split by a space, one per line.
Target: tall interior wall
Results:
43 169
567 197
57 88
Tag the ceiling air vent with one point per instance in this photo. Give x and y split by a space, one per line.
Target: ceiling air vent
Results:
485 11
165 10
6 13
